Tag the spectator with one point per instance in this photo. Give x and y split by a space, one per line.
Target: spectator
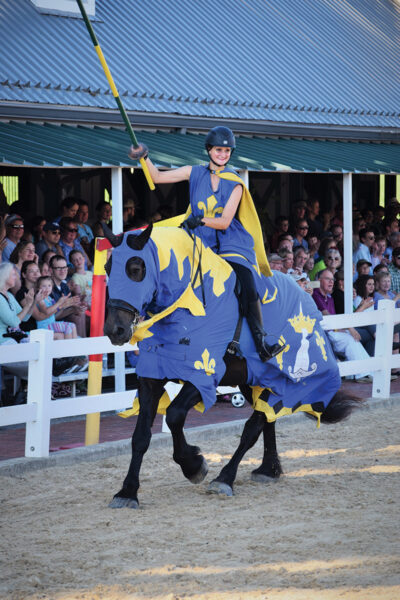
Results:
301 279
69 208
301 230
309 265
358 224
391 225
363 267
85 234
285 241
337 234
345 341
48 307
275 262
364 301
300 256
298 212
128 213
333 260
378 251
34 231
326 244
74 313
81 277
394 242
338 293
313 246
380 268
50 239
69 241
281 228
383 289
103 212
367 240
23 251
44 267
287 259
315 227
29 275
14 232
12 314
394 271
377 223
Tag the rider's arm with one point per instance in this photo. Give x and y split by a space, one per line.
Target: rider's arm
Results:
172 176
228 213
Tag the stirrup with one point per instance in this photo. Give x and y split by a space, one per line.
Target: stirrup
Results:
269 352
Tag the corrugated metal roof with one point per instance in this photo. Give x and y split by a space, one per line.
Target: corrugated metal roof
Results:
32 144
301 61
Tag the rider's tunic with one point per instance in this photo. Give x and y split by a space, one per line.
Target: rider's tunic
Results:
206 202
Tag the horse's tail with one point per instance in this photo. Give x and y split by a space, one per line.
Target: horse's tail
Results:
340 407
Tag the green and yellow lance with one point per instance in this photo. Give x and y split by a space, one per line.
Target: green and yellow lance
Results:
114 91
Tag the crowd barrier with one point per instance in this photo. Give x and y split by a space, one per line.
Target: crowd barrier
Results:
42 349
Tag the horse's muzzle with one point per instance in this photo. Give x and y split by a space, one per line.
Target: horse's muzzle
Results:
122 319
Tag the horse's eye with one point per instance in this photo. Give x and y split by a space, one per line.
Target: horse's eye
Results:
135 268
108 266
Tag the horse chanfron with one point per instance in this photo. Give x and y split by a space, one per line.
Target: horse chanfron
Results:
130 285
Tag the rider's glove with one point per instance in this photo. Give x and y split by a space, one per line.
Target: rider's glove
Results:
192 222
141 151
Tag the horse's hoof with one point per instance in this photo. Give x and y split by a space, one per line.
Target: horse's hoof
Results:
201 473
118 502
261 478
218 487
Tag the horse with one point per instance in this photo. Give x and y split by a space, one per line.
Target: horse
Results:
179 301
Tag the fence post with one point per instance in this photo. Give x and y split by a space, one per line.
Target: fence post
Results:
37 438
384 349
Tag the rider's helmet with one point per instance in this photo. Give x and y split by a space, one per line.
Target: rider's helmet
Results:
220 136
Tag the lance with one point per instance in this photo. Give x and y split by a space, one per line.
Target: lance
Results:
114 91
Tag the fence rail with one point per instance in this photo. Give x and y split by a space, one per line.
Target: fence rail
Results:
42 349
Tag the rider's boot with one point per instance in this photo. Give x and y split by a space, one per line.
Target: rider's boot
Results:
255 321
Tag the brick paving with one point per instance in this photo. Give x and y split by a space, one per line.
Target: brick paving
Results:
69 433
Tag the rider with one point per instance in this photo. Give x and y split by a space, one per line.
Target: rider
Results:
216 193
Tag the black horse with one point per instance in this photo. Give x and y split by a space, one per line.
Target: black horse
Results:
147 276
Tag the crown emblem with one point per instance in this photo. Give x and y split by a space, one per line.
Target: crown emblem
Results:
300 322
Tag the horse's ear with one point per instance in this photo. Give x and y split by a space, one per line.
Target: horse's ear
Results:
137 242
115 240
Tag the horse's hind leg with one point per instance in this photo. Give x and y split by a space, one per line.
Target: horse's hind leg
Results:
193 465
223 484
270 467
150 392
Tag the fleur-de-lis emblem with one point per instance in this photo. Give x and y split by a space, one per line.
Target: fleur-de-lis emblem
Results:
279 357
207 364
321 344
209 209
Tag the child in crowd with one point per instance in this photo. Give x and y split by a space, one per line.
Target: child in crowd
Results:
48 307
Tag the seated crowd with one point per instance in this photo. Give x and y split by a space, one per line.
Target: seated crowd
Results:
46 267
310 249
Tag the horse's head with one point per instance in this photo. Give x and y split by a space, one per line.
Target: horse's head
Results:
132 282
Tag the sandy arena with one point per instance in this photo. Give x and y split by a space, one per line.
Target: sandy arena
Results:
328 530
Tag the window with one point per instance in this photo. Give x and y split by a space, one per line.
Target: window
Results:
10 188
65 7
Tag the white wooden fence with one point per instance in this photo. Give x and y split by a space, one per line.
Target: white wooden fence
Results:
40 351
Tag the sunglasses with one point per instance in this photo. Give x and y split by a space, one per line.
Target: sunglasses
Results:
59 268
17 226
71 230
55 232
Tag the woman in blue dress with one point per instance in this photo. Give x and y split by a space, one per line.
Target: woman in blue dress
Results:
219 205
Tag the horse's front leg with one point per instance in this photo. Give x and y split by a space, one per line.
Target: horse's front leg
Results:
193 464
270 467
150 392
223 484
